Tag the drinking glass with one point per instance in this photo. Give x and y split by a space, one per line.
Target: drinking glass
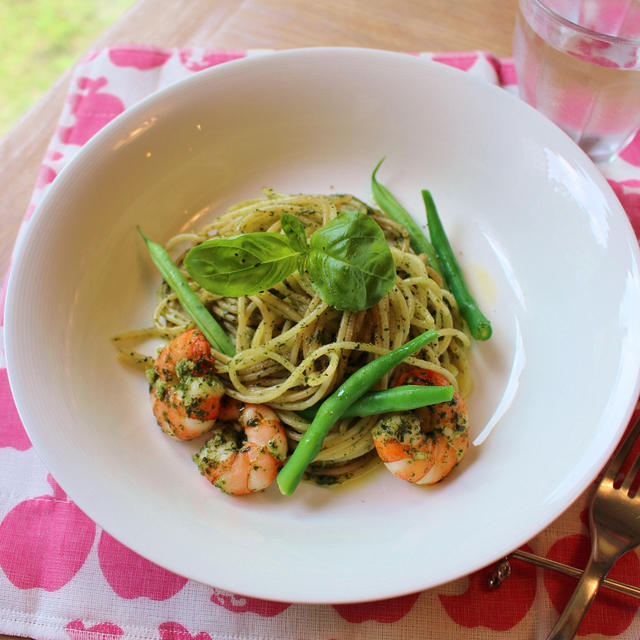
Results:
578 63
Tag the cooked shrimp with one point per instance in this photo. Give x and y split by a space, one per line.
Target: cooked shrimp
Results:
185 394
424 445
190 351
246 459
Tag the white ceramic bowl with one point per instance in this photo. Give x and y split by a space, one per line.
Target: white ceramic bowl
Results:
544 242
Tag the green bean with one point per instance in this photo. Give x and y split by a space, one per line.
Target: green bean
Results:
479 326
333 408
397 212
212 331
402 398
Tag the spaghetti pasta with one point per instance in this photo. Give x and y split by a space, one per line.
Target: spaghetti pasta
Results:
293 350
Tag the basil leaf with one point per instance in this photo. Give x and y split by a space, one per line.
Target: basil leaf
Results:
350 263
242 265
294 230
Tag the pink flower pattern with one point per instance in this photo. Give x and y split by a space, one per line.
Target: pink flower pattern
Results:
47 545
244 604
175 631
198 60
479 605
610 614
44 541
384 611
132 576
12 433
92 109
138 57
101 631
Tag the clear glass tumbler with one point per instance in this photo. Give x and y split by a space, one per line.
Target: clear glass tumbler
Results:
578 63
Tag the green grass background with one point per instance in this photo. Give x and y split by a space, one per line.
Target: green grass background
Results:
39 40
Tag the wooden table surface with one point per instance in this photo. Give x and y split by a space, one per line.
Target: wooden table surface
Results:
399 25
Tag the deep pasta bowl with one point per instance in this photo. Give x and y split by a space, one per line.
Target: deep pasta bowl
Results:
545 246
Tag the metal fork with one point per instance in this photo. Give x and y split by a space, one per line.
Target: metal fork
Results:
614 521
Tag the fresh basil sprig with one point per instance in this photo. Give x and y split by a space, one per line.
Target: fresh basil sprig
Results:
348 261
242 265
294 230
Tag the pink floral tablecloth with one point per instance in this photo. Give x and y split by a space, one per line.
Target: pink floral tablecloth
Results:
62 577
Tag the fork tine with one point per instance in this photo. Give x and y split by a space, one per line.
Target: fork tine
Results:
615 465
631 474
